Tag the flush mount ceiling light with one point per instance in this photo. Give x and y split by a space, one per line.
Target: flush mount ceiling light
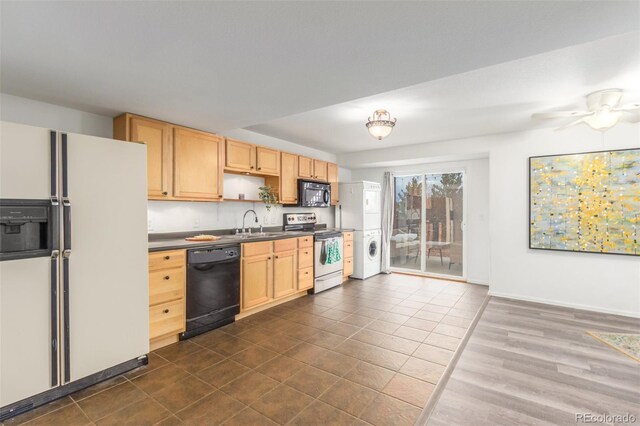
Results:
381 124
603 111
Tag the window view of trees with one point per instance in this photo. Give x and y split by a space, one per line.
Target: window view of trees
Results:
442 213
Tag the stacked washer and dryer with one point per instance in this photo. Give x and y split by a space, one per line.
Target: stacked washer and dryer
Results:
361 209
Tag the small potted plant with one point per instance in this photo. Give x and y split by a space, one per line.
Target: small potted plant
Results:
268 197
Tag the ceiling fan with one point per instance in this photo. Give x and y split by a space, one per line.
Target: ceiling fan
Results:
603 111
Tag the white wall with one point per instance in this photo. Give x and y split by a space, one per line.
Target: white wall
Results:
169 216
477 192
41 114
606 283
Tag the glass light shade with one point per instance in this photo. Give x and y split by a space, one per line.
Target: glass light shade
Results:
380 131
381 124
603 119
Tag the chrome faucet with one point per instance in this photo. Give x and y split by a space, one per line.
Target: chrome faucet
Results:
255 215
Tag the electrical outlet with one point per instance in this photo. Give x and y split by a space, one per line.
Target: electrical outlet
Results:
273 219
149 225
196 223
265 219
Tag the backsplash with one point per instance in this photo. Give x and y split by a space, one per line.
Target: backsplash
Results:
177 216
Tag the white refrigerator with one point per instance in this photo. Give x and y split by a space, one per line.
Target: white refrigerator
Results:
73 263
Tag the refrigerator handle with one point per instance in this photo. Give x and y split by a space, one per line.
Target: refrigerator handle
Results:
54 317
66 253
54 167
66 203
65 316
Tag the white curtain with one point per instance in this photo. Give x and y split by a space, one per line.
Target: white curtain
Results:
387 221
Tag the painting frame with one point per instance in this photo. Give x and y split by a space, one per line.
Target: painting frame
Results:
529 203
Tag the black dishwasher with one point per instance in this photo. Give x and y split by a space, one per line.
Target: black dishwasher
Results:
213 288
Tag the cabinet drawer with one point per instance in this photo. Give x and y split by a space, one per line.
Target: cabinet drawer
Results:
305 241
305 258
284 245
166 259
347 266
166 285
347 236
305 278
257 249
348 249
166 318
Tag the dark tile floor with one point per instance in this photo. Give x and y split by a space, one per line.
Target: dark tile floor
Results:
366 352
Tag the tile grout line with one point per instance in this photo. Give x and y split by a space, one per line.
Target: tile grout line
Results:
437 392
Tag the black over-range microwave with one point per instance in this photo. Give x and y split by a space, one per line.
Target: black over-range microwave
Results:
313 194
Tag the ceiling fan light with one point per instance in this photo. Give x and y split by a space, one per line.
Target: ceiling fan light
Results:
603 120
381 124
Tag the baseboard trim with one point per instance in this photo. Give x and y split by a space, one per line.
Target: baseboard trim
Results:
442 383
630 314
479 282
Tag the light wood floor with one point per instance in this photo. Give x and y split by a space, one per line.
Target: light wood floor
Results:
533 364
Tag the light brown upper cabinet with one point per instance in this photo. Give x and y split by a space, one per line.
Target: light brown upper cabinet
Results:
305 167
157 136
288 178
182 163
332 177
240 156
198 159
320 170
267 161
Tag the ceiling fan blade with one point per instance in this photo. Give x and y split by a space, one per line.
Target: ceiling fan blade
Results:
632 116
629 107
573 123
561 114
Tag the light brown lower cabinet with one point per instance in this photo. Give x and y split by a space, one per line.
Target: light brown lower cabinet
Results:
257 280
167 296
285 280
271 270
347 255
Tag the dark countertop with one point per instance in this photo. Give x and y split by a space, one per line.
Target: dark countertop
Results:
176 240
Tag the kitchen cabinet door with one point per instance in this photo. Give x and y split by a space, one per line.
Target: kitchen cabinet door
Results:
267 161
198 165
157 136
305 167
288 178
240 156
320 170
285 265
332 177
257 280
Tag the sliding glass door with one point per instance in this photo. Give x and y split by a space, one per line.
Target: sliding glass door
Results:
428 224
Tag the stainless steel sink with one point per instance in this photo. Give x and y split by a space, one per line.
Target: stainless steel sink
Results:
261 235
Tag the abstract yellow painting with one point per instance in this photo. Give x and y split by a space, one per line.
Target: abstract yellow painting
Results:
587 202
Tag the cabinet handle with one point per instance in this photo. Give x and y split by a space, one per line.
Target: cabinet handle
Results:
306 273
276 257
167 277
259 168
269 258
167 257
166 311
251 167
165 193
306 252
220 196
